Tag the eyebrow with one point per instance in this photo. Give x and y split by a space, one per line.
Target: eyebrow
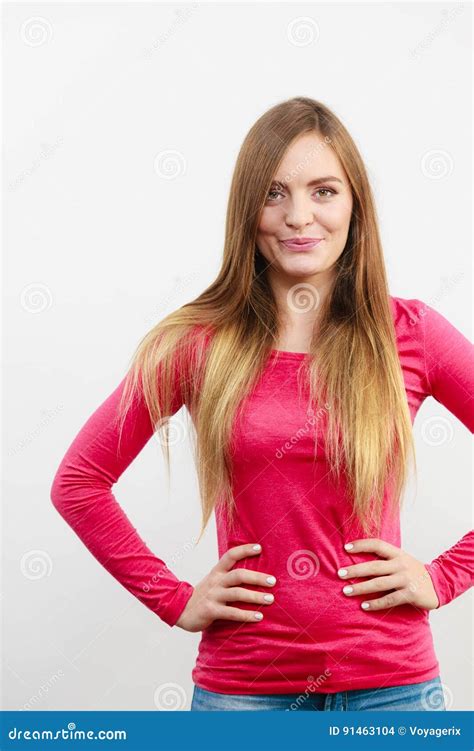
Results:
317 181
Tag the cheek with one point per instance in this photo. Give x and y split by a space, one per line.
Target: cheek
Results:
344 212
269 221
336 217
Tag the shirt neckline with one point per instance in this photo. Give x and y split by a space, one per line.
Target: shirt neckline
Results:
291 355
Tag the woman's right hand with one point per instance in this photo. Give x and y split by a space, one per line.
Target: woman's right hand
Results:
208 600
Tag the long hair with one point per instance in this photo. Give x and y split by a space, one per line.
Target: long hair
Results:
218 344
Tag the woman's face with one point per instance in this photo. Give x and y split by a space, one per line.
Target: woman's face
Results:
303 202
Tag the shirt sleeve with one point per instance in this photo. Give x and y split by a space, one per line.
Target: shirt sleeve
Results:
82 494
449 371
452 571
448 363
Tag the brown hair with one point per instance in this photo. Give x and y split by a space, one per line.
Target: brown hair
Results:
357 372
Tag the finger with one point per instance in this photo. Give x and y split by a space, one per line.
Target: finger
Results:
240 594
232 555
379 584
373 545
392 599
228 613
369 568
247 576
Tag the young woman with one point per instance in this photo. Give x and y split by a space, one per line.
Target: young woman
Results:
302 376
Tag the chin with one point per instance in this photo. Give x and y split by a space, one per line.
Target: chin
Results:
304 268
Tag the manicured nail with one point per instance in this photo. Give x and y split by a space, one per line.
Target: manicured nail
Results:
342 572
271 579
348 590
348 546
257 547
268 598
365 605
258 616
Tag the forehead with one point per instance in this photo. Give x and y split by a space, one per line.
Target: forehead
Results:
310 156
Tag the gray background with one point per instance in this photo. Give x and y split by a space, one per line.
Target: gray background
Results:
106 232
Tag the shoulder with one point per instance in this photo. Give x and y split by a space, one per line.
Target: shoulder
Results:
194 336
421 320
199 337
417 319
407 312
423 333
192 347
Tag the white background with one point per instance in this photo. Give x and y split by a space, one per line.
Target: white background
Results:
101 244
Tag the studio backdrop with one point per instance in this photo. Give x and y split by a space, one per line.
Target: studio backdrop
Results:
122 126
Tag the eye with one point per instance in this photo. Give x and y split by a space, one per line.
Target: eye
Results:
274 192
326 190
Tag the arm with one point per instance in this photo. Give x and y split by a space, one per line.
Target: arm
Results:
451 572
81 492
449 372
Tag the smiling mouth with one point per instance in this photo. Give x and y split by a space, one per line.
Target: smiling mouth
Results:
300 246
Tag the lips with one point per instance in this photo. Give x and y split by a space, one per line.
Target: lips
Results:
302 240
300 244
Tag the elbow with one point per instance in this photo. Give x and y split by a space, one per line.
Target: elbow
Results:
63 497
74 494
55 494
58 494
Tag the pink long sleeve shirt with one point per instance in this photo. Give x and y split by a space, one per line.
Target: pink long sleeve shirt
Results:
312 632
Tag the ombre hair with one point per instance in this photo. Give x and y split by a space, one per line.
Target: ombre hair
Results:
218 344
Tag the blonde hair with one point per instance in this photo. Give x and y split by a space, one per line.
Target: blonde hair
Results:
218 344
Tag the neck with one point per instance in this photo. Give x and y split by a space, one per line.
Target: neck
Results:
299 303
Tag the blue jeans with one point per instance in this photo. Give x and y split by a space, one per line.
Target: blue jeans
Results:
427 695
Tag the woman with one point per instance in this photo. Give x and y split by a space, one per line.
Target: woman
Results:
302 375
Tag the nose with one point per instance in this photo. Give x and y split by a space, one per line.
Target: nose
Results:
300 213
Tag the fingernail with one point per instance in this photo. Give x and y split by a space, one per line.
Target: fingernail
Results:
271 579
258 616
348 590
342 572
365 605
348 546
268 598
257 547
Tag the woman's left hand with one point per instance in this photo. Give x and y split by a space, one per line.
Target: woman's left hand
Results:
401 571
